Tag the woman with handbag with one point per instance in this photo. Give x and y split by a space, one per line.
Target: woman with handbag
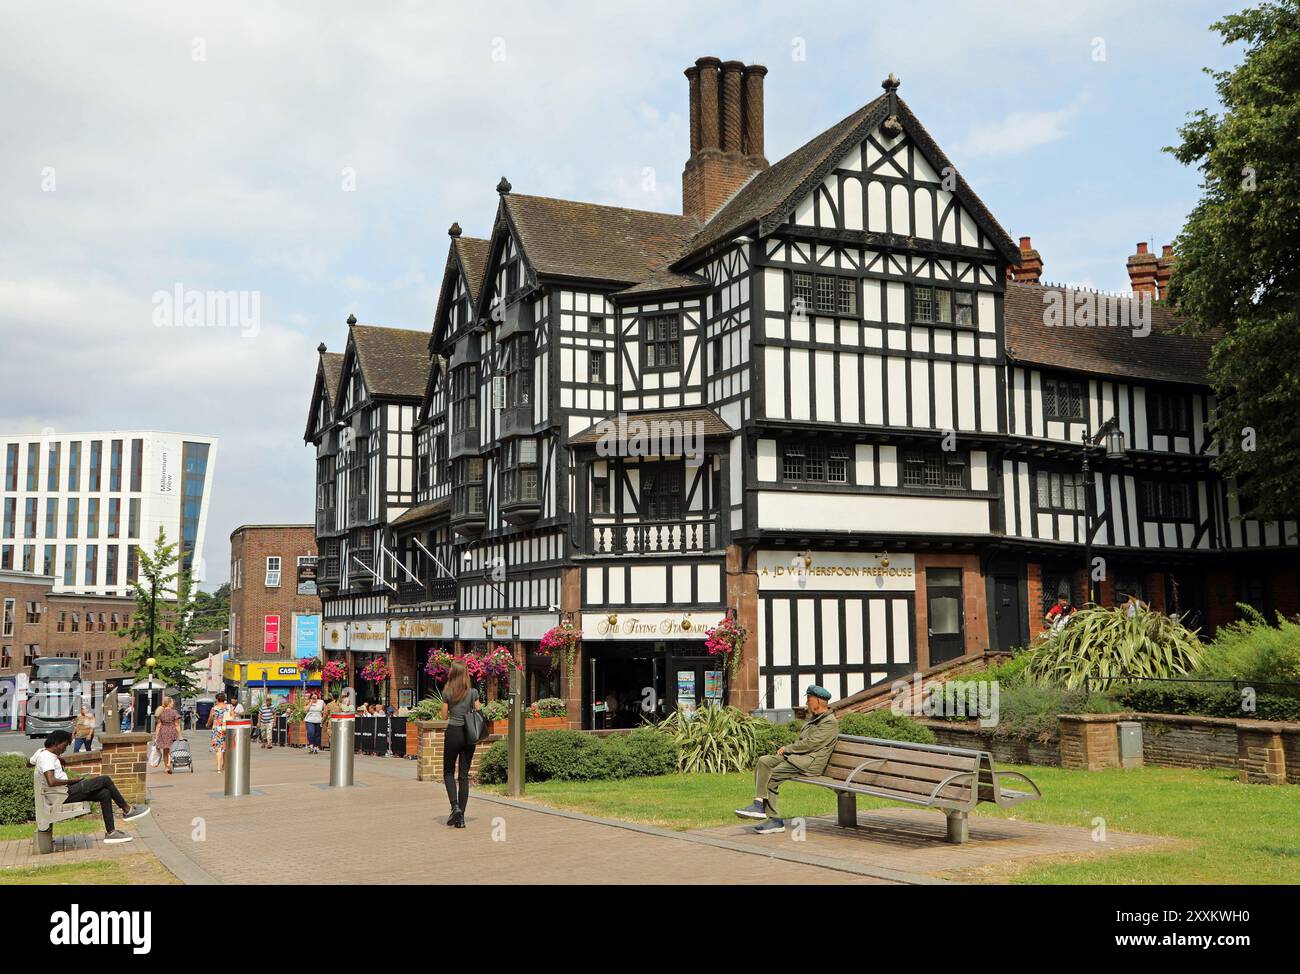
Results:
465 727
166 734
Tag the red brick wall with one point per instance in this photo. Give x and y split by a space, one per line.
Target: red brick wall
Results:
252 602
974 604
87 643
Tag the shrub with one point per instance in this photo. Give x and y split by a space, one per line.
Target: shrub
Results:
1205 700
551 707
885 724
17 800
1253 651
645 751
496 710
1032 710
1106 643
713 739
768 737
430 708
564 755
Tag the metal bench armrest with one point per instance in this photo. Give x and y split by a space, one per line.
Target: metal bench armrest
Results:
946 782
997 785
849 779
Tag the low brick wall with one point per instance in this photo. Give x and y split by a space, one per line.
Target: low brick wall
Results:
1006 750
1186 741
124 758
429 753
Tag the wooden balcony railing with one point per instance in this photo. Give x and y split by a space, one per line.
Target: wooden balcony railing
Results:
653 537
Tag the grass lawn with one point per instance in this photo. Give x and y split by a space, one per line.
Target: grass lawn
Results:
142 870
87 823
1233 833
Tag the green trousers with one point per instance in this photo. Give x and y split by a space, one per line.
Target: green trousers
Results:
769 772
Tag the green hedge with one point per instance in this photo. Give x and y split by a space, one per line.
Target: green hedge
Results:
1205 700
567 755
885 724
17 801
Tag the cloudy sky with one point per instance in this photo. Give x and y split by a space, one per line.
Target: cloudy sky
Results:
314 154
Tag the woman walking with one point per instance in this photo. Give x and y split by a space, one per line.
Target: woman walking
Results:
458 699
217 721
168 730
84 739
315 715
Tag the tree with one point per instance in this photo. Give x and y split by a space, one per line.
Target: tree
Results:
168 607
1238 270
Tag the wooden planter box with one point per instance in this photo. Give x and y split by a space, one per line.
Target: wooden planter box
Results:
298 733
530 724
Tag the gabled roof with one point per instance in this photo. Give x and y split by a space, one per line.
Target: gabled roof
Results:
467 257
665 279
711 424
587 241
394 361
1164 355
473 254
420 512
329 373
331 364
769 198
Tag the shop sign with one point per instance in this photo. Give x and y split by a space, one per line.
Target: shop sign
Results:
335 635
271 635
646 625
793 571
368 637
535 625
419 628
306 635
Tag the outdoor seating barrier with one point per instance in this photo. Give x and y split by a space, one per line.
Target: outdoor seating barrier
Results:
381 736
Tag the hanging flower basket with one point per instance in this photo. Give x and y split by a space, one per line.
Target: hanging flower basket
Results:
726 639
492 665
309 666
438 665
376 671
334 671
563 639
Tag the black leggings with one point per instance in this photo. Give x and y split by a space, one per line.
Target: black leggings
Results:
100 789
456 745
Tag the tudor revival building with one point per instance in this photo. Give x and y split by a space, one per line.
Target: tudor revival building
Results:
880 466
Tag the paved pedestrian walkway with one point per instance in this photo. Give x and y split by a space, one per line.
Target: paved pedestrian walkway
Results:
390 829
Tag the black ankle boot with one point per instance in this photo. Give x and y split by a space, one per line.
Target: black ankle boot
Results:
460 820
455 813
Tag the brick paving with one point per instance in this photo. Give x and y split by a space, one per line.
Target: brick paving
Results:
391 831
76 847
912 840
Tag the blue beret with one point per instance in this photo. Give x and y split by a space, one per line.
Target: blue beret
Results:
815 691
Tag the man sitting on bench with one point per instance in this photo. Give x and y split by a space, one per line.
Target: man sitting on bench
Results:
805 757
99 788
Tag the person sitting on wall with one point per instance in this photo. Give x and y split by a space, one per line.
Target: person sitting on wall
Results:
1059 614
807 756
97 788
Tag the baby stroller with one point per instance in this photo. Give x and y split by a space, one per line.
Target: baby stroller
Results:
181 756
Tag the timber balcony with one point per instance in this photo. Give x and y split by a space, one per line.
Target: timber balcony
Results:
433 590
653 537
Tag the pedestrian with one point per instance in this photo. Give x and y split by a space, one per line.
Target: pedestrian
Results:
84 738
166 733
97 788
127 712
807 756
332 707
266 721
458 699
315 715
217 717
1059 614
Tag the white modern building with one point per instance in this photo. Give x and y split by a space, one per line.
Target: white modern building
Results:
78 506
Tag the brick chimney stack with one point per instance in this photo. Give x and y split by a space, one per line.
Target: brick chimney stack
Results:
1165 270
1142 271
1030 270
726 105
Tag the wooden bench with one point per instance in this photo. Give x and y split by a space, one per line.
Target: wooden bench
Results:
51 808
951 779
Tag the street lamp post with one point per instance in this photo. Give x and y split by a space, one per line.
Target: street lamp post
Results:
1112 437
151 663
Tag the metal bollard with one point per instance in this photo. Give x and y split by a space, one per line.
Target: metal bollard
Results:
239 746
342 736
515 745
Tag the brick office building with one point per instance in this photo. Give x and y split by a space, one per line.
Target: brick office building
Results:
35 621
274 608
